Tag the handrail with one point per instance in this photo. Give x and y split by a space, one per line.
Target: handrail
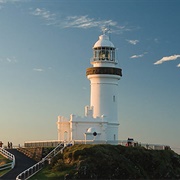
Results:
9 156
38 166
5 166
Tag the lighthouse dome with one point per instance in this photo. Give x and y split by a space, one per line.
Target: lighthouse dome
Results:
103 42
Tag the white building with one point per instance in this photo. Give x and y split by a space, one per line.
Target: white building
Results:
100 123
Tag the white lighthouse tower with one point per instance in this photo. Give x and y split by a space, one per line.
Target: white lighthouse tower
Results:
104 76
100 123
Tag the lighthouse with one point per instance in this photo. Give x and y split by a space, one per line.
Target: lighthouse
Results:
100 123
104 77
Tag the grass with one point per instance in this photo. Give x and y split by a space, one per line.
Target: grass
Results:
111 162
3 161
4 171
46 173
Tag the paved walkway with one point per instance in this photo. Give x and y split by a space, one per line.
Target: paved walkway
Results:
22 163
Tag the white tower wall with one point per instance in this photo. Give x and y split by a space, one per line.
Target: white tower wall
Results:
104 92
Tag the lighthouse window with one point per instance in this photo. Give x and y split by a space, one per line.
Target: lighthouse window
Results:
113 55
114 99
104 53
114 137
95 54
109 55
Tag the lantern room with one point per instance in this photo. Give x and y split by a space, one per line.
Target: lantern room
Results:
104 51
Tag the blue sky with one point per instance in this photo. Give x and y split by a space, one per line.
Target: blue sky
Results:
46 46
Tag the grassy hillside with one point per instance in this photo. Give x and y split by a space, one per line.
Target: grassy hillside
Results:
112 162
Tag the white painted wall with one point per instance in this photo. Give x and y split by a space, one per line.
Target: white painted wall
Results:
104 95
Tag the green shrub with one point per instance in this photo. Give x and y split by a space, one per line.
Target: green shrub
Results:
116 162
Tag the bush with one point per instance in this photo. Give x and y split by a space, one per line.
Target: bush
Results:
116 162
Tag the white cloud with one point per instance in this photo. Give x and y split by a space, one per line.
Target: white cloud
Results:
11 1
86 22
167 58
8 59
137 56
46 15
134 42
79 22
38 69
178 65
83 22
4 2
156 40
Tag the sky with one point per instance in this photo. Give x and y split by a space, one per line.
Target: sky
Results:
46 46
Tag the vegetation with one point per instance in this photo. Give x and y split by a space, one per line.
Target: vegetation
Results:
112 162
3 161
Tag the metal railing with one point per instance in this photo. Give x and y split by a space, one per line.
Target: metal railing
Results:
38 166
9 156
6 166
